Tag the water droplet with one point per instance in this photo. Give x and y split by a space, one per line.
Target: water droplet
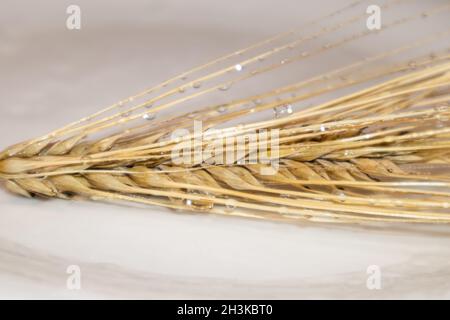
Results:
188 202
442 108
149 116
282 210
222 109
181 89
441 121
441 118
196 85
323 128
282 110
230 205
238 67
289 109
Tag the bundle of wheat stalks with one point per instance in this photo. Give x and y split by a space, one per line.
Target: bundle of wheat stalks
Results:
377 153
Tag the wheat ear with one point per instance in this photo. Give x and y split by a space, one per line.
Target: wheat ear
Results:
379 153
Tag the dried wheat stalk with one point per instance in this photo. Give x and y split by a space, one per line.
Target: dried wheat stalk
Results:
380 153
